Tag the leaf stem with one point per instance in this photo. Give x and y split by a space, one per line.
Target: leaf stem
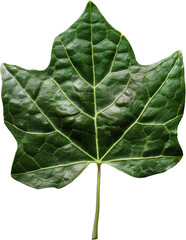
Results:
95 229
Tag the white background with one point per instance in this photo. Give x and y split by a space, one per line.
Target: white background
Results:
131 209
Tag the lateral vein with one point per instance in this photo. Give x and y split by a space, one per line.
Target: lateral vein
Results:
53 167
138 158
50 120
27 132
126 87
112 65
73 65
86 114
141 112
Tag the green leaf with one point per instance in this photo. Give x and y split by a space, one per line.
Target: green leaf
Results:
93 103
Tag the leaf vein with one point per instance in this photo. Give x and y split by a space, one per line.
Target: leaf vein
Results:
27 132
50 120
94 82
86 114
126 87
141 111
53 167
138 158
74 66
112 65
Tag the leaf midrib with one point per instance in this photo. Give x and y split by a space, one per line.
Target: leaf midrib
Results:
94 83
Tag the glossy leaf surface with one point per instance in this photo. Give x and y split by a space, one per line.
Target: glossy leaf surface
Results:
93 103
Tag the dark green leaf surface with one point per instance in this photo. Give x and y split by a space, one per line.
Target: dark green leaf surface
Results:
93 103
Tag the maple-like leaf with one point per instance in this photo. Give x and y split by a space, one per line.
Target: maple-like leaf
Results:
93 104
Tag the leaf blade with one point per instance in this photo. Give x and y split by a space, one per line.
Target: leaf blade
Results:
94 103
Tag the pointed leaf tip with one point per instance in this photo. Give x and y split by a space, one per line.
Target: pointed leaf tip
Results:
91 4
